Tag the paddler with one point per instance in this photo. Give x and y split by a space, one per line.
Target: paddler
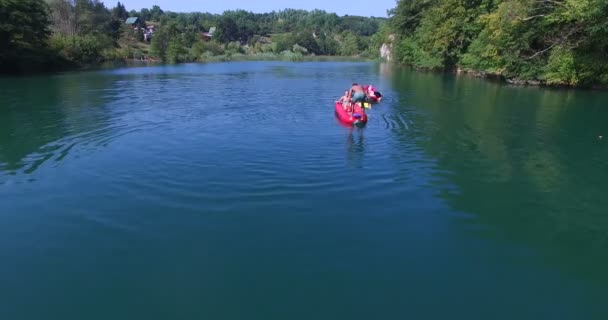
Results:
372 93
345 99
357 93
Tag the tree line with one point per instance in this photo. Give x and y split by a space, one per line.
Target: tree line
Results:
554 42
53 34
289 31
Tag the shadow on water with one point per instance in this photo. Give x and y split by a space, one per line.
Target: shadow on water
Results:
528 163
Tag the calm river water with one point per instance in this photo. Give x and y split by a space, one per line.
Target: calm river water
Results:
230 191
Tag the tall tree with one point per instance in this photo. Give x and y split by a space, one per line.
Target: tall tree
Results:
227 30
63 17
120 12
156 13
23 33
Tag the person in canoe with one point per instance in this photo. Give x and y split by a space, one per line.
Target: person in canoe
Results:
357 93
372 94
345 99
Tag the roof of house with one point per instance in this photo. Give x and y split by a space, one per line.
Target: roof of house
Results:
210 32
132 20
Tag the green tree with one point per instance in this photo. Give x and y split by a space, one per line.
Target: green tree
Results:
23 34
145 14
405 18
327 44
500 46
86 31
160 42
176 52
156 13
562 42
350 45
283 42
227 30
120 12
308 41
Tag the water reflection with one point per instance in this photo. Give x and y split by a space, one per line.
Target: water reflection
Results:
355 147
40 114
50 117
458 175
525 160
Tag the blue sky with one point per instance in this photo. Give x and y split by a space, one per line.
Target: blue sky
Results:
375 8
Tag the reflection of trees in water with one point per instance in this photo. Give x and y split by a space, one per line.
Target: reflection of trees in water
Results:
40 112
27 120
525 160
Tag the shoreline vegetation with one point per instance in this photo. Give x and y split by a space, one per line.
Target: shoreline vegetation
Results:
228 58
558 43
286 56
56 35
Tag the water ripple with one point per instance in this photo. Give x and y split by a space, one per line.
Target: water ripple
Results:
212 166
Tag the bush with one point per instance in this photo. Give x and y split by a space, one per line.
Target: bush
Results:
81 49
561 68
282 42
234 47
176 52
116 54
299 49
267 48
411 53
291 56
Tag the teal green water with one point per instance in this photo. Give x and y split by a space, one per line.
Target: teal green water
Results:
230 191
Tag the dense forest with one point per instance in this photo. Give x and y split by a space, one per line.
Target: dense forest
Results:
553 42
53 34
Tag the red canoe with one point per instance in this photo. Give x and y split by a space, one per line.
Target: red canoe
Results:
373 95
356 117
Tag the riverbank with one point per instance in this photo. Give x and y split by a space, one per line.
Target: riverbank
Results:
56 39
280 57
501 78
559 44
219 58
523 82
